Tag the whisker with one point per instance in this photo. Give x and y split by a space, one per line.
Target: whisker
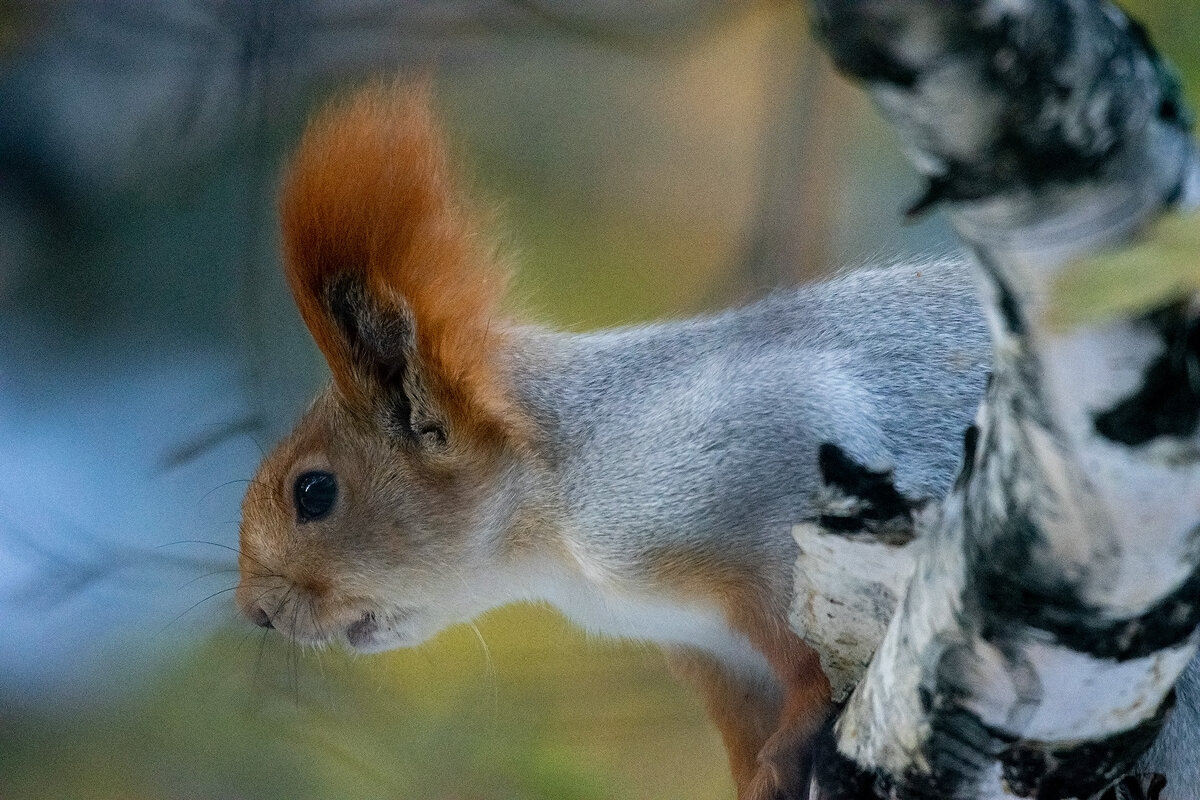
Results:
291 660
266 634
262 645
195 541
257 576
489 668
257 443
263 594
206 575
183 613
489 663
294 657
282 601
312 610
230 548
222 486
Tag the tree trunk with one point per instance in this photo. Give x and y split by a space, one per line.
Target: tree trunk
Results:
1055 594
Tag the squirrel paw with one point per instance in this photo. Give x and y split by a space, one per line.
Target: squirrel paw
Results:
784 768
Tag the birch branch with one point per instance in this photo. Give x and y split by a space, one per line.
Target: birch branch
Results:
1056 591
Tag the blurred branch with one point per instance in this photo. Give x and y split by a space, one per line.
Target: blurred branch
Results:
803 169
65 566
137 90
145 98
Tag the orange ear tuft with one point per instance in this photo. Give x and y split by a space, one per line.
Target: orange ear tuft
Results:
369 196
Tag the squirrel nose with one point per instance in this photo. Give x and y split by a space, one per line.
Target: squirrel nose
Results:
260 617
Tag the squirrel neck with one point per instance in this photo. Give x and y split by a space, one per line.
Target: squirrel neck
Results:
658 443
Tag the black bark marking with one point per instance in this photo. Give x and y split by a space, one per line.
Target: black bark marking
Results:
1142 786
841 524
850 39
937 189
1049 772
876 499
1013 593
970 448
1168 401
1041 138
1009 308
1171 107
876 487
840 777
963 750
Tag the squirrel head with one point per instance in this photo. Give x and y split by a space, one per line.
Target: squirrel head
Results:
372 522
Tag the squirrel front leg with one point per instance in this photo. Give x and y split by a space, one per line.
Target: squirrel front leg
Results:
782 762
766 727
745 709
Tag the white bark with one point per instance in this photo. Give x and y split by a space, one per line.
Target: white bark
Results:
847 589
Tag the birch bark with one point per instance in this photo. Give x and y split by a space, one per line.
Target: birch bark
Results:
1055 592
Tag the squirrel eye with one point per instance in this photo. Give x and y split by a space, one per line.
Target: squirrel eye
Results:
315 493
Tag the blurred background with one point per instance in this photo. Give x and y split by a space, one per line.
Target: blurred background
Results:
646 159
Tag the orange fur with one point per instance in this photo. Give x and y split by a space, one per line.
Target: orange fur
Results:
806 697
745 716
369 193
766 737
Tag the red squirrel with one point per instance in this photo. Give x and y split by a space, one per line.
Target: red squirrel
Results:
642 480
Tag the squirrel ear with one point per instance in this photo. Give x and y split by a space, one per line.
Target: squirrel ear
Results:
382 344
389 273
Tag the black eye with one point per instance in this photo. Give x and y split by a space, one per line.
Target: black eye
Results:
315 495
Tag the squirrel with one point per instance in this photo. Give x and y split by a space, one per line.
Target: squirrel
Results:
643 480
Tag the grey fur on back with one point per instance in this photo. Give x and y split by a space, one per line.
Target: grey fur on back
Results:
1176 752
705 431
